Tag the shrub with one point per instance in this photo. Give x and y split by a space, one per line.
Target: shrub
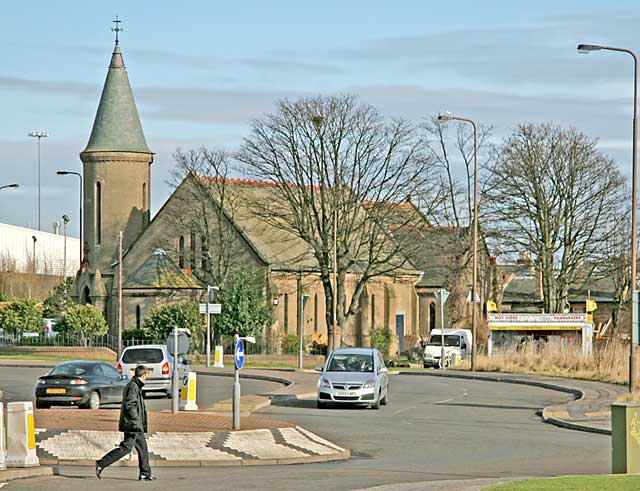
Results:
21 316
84 320
59 299
290 344
7 297
381 339
163 318
318 349
244 310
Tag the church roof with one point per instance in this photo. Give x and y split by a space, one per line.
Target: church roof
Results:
117 125
159 271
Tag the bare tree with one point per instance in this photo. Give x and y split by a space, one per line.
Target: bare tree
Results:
205 211
451 202
552 192
333 158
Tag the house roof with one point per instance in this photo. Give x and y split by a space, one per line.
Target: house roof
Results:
523 290
250 207
159 271
434 250
117 127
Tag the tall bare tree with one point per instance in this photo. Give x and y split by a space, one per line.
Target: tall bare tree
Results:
334 158
552 192
205 211
451 202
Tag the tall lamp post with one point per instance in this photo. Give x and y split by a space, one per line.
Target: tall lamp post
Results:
65 220
474 287
65 173
633 349
333 329
7 186
39 135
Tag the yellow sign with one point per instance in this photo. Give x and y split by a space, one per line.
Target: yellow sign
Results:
591 305
536 328
31 431
491 306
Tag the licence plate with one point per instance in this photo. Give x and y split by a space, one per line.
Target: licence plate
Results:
56 391
149 372
346 393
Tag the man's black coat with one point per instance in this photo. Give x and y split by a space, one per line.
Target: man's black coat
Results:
133 413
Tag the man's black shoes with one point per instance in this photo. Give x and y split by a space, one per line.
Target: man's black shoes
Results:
98 469
146 478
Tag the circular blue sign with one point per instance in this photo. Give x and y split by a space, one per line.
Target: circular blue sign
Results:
239 354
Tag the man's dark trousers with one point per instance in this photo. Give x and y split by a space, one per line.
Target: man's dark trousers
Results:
131 440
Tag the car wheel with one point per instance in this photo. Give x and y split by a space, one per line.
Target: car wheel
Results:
42 405
94 401
320 404
385 399
376 405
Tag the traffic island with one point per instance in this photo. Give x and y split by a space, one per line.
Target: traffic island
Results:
66 437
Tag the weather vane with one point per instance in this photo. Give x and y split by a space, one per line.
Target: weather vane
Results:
117 28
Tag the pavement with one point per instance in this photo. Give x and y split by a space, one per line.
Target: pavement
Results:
588 410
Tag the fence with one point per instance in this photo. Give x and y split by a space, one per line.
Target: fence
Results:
264 345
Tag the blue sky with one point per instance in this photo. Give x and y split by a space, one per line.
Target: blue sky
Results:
201 70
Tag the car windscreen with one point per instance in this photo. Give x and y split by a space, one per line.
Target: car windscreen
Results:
355 362
142 355
449 340
73 370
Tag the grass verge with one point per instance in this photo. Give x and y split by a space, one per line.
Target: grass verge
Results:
601 483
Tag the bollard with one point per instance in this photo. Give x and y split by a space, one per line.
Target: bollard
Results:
218 362
188 393
2 466
21 436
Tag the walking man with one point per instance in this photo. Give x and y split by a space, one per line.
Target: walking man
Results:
133 423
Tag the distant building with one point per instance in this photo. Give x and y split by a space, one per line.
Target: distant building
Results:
45 255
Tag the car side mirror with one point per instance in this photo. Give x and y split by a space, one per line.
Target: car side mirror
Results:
123 377
463 346
187 362
319 369
382 370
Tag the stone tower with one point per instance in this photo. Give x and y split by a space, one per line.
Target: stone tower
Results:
117 175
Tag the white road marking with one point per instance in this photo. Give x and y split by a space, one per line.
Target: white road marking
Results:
464 394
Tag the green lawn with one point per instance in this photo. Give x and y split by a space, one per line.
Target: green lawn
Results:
599 483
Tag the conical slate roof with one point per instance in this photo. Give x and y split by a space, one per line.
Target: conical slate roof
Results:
117 125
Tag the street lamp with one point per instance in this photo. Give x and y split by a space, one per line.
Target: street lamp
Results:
633 350
318 121
474 287
66 173
35 239
7 186
39 135
65 220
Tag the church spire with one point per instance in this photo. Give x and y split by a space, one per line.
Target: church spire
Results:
117 125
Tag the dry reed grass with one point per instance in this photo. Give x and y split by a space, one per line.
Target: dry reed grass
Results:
608 363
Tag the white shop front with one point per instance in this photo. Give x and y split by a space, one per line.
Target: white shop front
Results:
508 331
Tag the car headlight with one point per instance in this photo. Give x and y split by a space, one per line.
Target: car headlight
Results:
324 383
369 384
41 382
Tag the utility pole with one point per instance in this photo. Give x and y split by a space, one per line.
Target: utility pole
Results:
65 220
120 294
39 135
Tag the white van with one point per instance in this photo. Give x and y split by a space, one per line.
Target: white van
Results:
457 343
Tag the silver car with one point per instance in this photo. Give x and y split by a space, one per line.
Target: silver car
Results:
159 363
354 376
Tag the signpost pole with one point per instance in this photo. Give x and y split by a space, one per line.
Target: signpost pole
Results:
236 385
208 335
442 296
174 381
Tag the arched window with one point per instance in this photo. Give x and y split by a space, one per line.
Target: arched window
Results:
204 246
315 313
138 318
373 311
432 315
286 313
192 256
98 212
181 252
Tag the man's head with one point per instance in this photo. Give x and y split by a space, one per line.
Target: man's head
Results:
141 372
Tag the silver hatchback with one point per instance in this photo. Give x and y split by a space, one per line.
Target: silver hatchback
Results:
159 363
354 376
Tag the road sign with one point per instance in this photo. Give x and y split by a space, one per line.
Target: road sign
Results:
214 308
469 298
239 354
442 295
183 343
